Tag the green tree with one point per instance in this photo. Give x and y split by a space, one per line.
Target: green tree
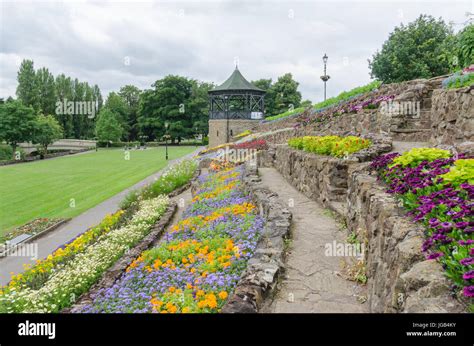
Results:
416 50
47 130
131 95
117 105
17 123
286 92
65 93
46 91
27 89
108 128
168 101
199 107
465 41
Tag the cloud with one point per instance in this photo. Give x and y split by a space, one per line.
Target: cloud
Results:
93 41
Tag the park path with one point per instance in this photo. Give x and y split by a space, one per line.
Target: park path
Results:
312 281
76 226
401 147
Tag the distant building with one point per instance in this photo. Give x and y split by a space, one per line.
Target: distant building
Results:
234 107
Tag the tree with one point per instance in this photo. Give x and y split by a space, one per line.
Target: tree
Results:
117 105
465 41
286 92
65 93
199 107
46 91
131 96
108 128
27 89
168 101
417 50
17 123
46 132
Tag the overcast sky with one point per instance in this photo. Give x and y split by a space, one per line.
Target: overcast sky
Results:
114 43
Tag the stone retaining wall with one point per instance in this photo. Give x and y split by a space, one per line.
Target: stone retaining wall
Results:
321 178
452 115
400 279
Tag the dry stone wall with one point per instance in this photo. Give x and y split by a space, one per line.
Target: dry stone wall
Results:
400 278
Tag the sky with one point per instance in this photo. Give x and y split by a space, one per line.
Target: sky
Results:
114 43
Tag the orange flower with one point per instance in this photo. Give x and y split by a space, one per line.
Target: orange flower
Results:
172 289
223 295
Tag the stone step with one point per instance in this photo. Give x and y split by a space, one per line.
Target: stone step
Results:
411 130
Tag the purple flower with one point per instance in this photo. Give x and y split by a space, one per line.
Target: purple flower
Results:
469 291
467 261
468 275
434 255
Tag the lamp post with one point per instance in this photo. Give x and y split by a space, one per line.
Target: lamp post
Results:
325 77
197 135
166 138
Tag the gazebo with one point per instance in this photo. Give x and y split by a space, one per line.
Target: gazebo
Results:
234 106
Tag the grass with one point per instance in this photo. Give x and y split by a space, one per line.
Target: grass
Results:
46 188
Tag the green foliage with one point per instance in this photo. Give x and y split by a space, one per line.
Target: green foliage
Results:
118 106
330 145
131 95
6 152
345 95
416 50
47 131
286 92
27 89
108 128
266 84
461 172
46 91
176 176
459 80
465 41
177 100
415 156
17 123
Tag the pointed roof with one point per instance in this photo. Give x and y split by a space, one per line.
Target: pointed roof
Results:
236 82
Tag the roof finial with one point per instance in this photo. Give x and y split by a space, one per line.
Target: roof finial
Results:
236 62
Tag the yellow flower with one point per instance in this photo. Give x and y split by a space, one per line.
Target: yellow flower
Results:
172 289
223 295
185 310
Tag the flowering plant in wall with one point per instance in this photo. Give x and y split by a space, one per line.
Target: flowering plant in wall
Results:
437 191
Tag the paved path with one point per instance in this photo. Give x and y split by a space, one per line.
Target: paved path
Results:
51 241
401 147
312 282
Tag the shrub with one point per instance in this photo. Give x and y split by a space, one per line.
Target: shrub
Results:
461 172
330 145
415 156
6 152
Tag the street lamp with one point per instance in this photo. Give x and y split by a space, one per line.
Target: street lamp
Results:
166 138
325 77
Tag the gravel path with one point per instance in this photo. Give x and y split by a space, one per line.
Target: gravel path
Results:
51 241
312 281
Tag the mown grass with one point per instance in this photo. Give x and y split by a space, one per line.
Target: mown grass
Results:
68 186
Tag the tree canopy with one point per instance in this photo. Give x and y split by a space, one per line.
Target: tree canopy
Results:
416 50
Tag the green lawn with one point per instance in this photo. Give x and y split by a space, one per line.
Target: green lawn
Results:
45 188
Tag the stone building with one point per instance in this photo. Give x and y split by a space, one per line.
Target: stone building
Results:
234 107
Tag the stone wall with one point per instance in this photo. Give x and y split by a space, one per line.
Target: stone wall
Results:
445 116
452 115
321 178
400 279
218 128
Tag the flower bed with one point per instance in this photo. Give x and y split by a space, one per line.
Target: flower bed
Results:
171 179
69 281
437 190
201 258
460 79
330 145
33 227
345 108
